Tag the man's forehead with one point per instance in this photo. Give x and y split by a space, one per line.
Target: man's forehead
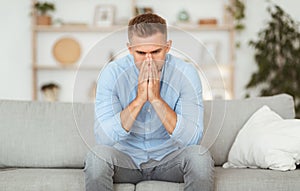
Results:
155 39
148 45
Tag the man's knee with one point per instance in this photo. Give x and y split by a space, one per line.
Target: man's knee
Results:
101 151
97 152
106 155
199 168
97 157
199 159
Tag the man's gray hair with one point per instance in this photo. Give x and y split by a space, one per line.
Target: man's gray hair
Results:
145 25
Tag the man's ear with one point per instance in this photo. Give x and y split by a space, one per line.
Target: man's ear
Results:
169 45
129 48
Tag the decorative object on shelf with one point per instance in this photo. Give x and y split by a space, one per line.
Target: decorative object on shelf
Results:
183 19
277 57
208 21
50 92
237 11
66 51
104 15
183 16
142 10
43 18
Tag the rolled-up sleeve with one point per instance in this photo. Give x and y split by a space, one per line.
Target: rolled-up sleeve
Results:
189 110
108 128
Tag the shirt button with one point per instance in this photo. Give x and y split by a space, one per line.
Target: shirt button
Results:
148 110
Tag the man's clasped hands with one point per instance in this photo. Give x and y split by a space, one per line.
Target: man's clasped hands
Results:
149 81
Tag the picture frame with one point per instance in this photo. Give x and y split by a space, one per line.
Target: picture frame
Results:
104 15
142 10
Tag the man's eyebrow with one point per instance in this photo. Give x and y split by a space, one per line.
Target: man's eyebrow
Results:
157 50
142 52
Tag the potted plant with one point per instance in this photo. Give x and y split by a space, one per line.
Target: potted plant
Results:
42 10
277 56
237 11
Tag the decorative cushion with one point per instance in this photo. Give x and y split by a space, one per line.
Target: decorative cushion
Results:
266 141
223 119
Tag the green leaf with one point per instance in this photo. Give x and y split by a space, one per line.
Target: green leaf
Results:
277 51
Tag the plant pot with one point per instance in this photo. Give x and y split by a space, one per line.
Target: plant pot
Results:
43 20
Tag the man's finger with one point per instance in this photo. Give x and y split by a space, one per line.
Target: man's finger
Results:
143 72
146 73
154 70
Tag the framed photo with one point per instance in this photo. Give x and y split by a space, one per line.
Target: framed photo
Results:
104 15
142 10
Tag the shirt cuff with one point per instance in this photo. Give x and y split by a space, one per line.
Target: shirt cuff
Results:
118 128
177 127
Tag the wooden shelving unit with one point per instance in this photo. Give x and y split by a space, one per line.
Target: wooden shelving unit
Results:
34 50
66 28
206 28
36 30
64 68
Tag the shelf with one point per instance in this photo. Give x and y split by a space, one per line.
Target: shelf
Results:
204 27
97 68
71 28
66 68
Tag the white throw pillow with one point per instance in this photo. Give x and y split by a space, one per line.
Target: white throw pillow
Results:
266 141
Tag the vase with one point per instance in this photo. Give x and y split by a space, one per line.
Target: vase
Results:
43 20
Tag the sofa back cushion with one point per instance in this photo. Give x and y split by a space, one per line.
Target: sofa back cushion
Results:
224 119
41 134
58 135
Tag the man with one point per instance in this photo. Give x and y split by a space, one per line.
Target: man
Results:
149 116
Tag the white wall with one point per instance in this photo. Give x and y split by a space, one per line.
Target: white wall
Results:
15 48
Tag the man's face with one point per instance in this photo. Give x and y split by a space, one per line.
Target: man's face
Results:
154 46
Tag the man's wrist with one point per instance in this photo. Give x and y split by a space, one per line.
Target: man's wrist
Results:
156 101
139 102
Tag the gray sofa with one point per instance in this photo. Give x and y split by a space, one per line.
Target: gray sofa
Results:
43 146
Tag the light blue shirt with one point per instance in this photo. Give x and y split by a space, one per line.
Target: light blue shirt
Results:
180 88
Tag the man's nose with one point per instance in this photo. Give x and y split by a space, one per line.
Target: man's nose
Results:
148 55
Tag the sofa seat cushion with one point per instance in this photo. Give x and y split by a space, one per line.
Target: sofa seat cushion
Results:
256 179
159 185
37 179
